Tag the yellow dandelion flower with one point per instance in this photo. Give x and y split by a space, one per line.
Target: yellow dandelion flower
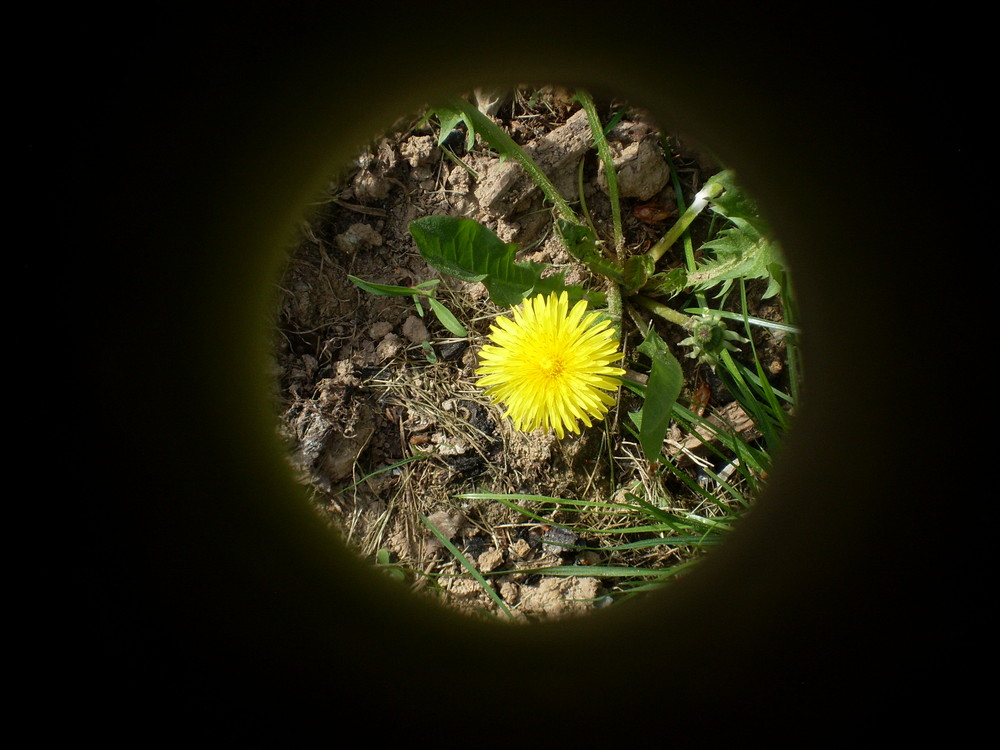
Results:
550 365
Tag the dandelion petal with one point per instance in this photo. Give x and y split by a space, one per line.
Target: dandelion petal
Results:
548 363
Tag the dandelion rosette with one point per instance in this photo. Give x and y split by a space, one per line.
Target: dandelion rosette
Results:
550 366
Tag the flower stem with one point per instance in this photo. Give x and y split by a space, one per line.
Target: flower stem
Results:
604 152
701 200
668 313
506 146
614 298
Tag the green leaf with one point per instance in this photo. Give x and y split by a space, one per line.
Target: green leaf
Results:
734 203
449 117
667 283
460 247
740 252
471 252
429 352
448 320
384 290
745 250
467 564
662 390
383 561
578 239
638 269
581 243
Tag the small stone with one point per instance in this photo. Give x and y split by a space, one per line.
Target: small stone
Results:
449 446
388 347
510 592
459 179
489 100
415 330
417 150
507 230
358 237
448 524
521 548
380 330
462 588
642 170
490 560
452 350
557 540
370 187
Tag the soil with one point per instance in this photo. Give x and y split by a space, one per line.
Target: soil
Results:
378 401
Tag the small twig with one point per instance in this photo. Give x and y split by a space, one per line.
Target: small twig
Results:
459 162
361 209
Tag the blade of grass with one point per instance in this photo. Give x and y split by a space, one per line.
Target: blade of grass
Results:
509 501
465 563
670 541
591 571
730 441
740 387
761 322
762 382
693 486
690 262
396 465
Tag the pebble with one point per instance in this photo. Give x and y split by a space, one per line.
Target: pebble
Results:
379 330
415 330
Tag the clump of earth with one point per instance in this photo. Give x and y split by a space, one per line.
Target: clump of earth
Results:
378 401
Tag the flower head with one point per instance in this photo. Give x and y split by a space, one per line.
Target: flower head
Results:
550 365
709 337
